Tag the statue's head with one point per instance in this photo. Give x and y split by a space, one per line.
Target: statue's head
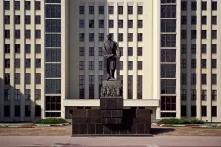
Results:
109 37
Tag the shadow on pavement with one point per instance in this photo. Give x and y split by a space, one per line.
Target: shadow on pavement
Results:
156 131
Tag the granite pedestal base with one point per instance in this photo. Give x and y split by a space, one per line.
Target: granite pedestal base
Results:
111 118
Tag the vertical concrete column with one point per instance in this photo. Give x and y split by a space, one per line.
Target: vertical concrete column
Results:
198 60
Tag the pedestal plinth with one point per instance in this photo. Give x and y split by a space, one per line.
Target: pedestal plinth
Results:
111 118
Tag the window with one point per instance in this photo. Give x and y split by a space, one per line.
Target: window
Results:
91 37
203 34
139 86
203 63
168 103
130 9
91 51
52 70
27 5
7 5
130 51
139 65
168 55
101 37
81 23
213 63
120 9
7 19
193 20
27 63
7 78
81 86
81 37
193 79
38 63
193 48
100 51
193 34
81 9
27 78
183 79
183 20
17 111
214 48
91 86
121 51
203 48
183 63
168 40
130 65
37 5
130 87
204 20
7 48
168 25
81 51
37 94
53 11
7 34
17 34
193 111
203 111
183 5
37 78
53 103
168 86
91 65
214 95
27 110
203 79
214 34
17 19
168 71
53 86
120 37
214 79
120 24
183 34
91 10
7 111
81 65
91 23
38 34
17 48
27 48
139 51
17 78
140 10
130 23
140 23
130 37
110 23
7 63
193 63
183 111
193 5
17 5
101 23
204 5
111 9
37 19
203 95
100 65
121 65
214 111
168 11
37 48
27 19
101 9
27 34
17 63
214 5
214 20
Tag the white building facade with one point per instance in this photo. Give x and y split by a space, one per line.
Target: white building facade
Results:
51 56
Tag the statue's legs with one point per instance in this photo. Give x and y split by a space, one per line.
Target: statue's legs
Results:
112 67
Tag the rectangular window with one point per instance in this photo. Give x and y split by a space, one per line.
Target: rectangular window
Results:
193 111
203 79
27 63
91 65
130 87
168 86
214 79
53 11
100 65
91 23
7 48
91 51
130 9
52 70
27 19
168 55
91 37
214 5
101 9
91 10
204 111
101 37
168 70
81 65
139 65
27 110
203 95
130 37
53 103
81 86
7 34
101 23
214 95
203 34
111 9
168 40
139 51
214 20
140 37
81 37
120 9
120 37
214 34
214 111
130 65
81 51
37 78
17 19
120 24
193 5
27 78
27 94
17 5
110 23
213 63
81 9
130 51
53 86
168 103
140 23
37 5
6 5
27 5
7 111
140 10
203 63
7 19
204 5
17 111
139 86
17 63
17 78
130 23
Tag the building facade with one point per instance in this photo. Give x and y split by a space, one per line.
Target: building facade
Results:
51 56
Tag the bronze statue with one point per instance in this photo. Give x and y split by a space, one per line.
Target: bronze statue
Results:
111 54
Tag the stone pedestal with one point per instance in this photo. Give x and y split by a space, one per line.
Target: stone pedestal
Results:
111 118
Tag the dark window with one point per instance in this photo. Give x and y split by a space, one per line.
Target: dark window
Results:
91 23
214 95
81 9
7 34
27 34
53 103
120 9
139 86
130 65
183 20
193 111
193 34
168 86
17 111
6 5
52 70
204 111
140 23
27 19
101 23
213 63
203 48
91 37
17 34
27 78
204 20
111 9
130 51
17 63
7 78
130 23
17 78
214 48
139 65
204 5
193 79
37 19
81 37
53 11
214 79
168 70
38 63
110 23
27 5
6 110
214 20
81 86
168 25
130 87
203 63
37 48
168 103
183 111
140 37
81 23
27 48
193 20
7 19
203 95
52 40
17 19
53 86
91 9
37 111
168 11
203 34
27 63
101 9
183 34
214 5
139 51
17 48
130 37
37 78
168 55
27 110
183 5
203 79
120 24
53 25
168 40
214 34
130 9
17 5
120 37
193 5
38 34
91 51
37 5
214 111
140 10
